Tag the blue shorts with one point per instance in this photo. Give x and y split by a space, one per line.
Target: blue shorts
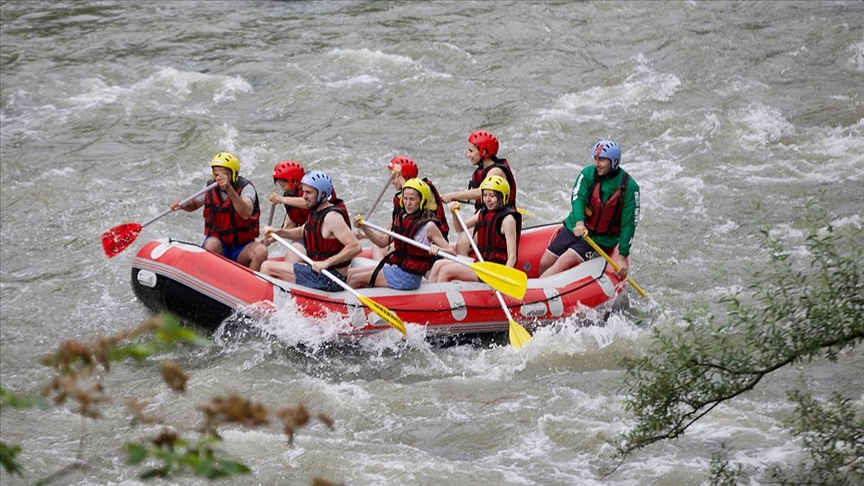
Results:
399 279
305 276
230 252
566 240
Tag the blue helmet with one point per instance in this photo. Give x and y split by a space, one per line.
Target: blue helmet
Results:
320 182
608 149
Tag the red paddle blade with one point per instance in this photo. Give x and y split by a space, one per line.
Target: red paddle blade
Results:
119 238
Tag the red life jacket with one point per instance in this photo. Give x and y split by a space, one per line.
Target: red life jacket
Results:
223 222
604 218
297 215
440 216
487 232
317 247
480 174
406 256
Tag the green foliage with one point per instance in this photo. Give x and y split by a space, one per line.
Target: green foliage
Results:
79 365
76 364
201 458
8 458
722 472
19 402
792 314
833 433
9 453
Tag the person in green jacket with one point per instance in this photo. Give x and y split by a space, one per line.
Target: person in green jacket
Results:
605 207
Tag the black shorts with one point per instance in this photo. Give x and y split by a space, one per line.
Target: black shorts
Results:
566 240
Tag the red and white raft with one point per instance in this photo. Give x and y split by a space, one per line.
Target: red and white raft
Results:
205 289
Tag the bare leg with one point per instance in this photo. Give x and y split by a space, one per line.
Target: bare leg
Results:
253 255
291 257
566 261
358 278
280 270
436 269
213 244
463 246
547 260
457 272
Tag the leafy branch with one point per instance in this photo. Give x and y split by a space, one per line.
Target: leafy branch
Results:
790 316
79 367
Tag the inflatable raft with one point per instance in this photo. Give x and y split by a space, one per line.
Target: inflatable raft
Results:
205 289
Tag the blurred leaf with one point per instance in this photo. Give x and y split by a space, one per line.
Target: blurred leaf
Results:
135 351
172 331
18 401
137 453
234 468
7 458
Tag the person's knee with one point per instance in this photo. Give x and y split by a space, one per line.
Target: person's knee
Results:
463 245
267 268
213 245
547 260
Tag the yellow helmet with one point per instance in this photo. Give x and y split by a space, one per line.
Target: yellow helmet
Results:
426 199
497 184
229 161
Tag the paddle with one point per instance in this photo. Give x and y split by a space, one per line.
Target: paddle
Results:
270 217
614 265
518 335
379 309
509 280
380 195
269 223
120 237
523 212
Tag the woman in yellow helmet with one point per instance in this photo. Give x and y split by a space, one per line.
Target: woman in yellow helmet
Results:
403 269
497 227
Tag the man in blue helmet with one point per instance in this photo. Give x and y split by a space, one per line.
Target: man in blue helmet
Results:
326 235
605 206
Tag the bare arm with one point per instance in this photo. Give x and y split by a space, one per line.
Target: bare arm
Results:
334 226
243 205
378 239
470 194
508 227
293 234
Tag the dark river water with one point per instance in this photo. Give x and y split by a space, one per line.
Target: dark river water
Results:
730 116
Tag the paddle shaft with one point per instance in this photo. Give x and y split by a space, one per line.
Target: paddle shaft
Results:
270 217
262 238
414 242
614 265
380 195
169 210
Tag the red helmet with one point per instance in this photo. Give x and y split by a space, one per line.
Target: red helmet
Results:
409 167
485 140
290 171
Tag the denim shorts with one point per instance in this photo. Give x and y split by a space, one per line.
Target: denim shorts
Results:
305 276
399 279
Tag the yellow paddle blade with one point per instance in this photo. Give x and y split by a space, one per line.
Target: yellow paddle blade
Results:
518 335
524 212
385 313
507 280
